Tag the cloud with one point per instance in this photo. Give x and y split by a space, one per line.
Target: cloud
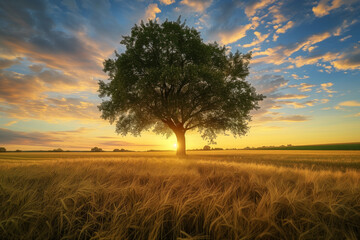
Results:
313 59
325 87
344 38
297 105
253 6
280 54
324 6
70 4
16 87
10 123
197 5
277 14
275 37
6 63
286 27
126 144
37 67
230 36
349 104
350 60
167 2
30 31
325 100
79 139
268 84
291 96
151 11
343 27
25 138
293 118
297 77
259 39
303 87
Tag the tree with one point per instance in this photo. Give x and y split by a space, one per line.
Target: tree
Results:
96 149
170 81
2 149
57 150
207 148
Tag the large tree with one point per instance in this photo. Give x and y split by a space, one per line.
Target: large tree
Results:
169 80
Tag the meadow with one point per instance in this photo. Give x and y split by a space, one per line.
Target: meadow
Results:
241 194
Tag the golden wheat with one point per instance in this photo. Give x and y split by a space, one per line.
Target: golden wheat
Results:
156 196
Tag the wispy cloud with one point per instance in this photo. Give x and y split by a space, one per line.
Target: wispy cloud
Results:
352 103
284 28
197 5
259 39
253 6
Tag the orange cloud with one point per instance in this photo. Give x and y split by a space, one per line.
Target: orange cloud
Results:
197 5
297 77
234 35
323 8
348 61
325 87
292 96
151 11
250 10
350 104
277 14
167 2
260 38
286 27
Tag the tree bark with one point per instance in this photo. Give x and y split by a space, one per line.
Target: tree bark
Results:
181 144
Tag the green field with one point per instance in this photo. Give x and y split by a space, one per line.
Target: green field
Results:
208 195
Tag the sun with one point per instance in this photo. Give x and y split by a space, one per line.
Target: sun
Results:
175 146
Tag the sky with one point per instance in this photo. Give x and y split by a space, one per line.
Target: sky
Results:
306 61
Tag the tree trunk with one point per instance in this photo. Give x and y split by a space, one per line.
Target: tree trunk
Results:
181 145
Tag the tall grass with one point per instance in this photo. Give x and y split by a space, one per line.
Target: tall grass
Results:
150 197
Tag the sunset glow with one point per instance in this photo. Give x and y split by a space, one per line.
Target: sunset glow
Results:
305 61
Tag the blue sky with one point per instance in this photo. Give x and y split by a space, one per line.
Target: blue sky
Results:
306 60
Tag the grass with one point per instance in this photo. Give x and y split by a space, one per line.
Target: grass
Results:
214 195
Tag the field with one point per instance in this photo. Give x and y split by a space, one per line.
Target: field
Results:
208 195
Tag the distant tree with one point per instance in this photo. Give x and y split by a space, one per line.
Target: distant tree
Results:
96 149
206 147
2 149
218 148
18 150
121 150
57 150
170 81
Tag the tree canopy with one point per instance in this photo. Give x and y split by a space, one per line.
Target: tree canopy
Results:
170 81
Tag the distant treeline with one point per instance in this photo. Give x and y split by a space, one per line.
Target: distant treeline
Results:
335 146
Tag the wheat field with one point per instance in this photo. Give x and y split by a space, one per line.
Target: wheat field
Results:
208 195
